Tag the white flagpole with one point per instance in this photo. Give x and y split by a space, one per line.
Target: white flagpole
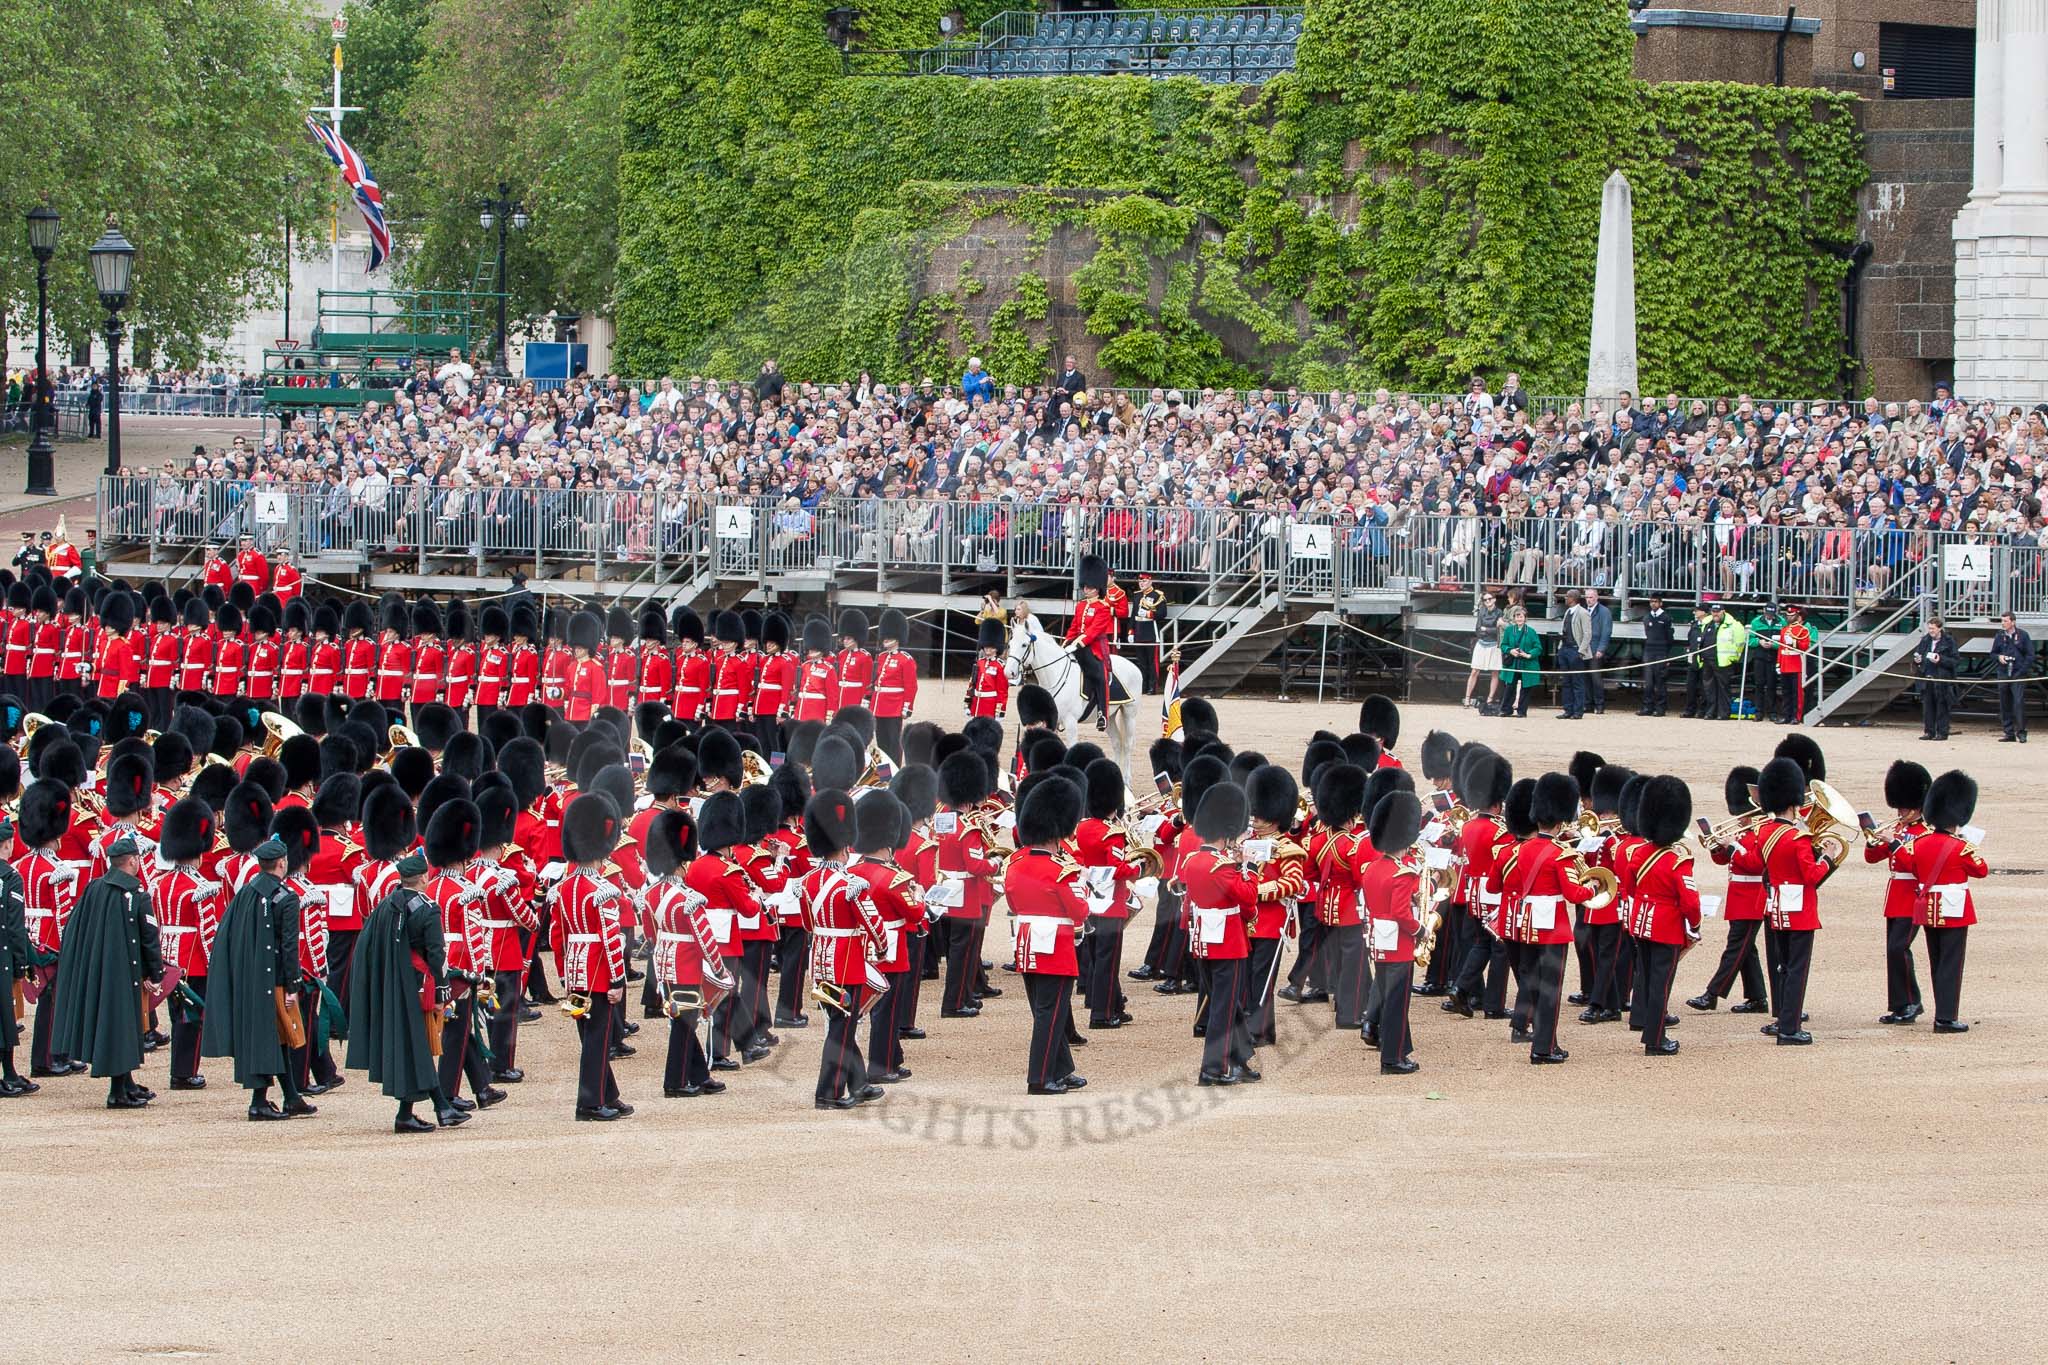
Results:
334 112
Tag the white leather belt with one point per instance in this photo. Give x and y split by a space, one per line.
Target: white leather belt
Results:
497 924
1057 919
835 933
582 938
1905 876
665 937
391 673
1739 878
892 689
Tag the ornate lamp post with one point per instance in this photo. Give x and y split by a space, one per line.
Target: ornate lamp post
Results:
42 241
113 270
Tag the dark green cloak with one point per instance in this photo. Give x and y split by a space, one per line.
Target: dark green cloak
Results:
15 958
255 952
387 1032
109 949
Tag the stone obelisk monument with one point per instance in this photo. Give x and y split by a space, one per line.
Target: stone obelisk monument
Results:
1611 360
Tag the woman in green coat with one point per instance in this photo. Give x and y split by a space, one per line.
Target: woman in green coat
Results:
1520 650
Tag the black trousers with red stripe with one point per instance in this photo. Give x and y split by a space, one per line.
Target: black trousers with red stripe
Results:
1344 953
1394 982
1610 945
840 1068
885 1049
1103 975
596 1087
1901 986
1262 982
1052 1007
1945 953
459 1055
1226 1041
1739 959
1548 995
1656 967
792 959
1796 946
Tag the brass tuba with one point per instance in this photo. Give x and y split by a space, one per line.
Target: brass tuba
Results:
1828 818
396 738
277 729
754 769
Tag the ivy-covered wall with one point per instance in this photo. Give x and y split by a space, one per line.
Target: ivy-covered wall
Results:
1420 200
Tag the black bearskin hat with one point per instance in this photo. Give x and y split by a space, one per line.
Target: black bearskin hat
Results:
1273 794
1951 801
1664 810
1483 779
414 769
721 823
1197 716
878 820
590 830
667 843
1781 786
835 764
1735 790
917 787
1105 788
45 813
1556 799
963 780
445 787
389 822
1801 749
1380 717
1050 811
1439 755
1395 823
1165 758
1906 784
1518 811
718 755
454 833
246 817
1035 706
672 773
1607 784
188 831
130 785
339 799
1200 775
828 823
435 724
1584 764
1224 810
295 827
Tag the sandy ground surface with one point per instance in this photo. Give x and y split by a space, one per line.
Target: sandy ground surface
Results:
1874 1197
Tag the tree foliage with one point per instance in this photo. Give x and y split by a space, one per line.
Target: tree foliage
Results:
182 119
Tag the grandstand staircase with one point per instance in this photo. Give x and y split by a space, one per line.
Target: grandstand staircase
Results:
1878 655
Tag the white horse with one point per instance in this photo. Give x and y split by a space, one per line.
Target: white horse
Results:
1037 656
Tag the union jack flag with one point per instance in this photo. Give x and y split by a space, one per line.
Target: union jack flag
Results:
369 199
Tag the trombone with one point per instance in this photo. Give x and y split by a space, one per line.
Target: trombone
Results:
1727 831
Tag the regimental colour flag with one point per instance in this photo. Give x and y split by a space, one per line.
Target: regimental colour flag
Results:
369 199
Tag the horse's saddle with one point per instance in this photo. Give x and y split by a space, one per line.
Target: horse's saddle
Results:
1117 695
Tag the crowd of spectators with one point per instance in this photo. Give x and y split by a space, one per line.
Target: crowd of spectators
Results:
1479 487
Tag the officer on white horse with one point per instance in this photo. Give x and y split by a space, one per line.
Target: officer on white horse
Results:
1092 631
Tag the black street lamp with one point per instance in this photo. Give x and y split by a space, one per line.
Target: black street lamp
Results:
42 472
113 270
501 212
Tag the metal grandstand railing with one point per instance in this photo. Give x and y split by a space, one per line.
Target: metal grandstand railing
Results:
1243 46
931 543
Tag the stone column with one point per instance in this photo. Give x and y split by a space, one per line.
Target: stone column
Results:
2024 94
2001 235
1990 114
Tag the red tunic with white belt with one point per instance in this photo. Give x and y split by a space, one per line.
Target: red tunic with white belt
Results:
774 685
523 681
767 867
493 674
429 658
359 672
1388 889
228 662
728 896
657 674
295 664
856 670
507 908
49 889
1222 901
332 869
1665 905
394 670
733 687
1793 875
817 693
588 942
188 909
846 929
460 675
1337 858
621 677
264 658
373 882
796 863
683 938
693 683
895 684
117 667
1287 872
1745 864
1540 895
988 689
586 690
312 926
1902 887
965 857
1044 893
1944 866
1098 843
893 892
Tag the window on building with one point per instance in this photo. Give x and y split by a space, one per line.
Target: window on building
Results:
1927 62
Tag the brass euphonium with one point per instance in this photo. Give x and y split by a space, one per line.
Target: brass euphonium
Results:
754 769
1606 886
1827 817
398 737
1142 850
1429 893
277 730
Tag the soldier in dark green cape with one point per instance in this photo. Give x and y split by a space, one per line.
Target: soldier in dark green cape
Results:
16 959
110 949
401 967
255 953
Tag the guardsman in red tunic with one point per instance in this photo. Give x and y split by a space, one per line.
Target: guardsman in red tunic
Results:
586 684
1390 888
557 661
716 875
732 684
1480 783
295 659
1905 791
917 787
692 668
775 687
459 655
671 780
49 888
510 915
453 837
1606 928
1742 906
333 871
159 671
20 637
195 667
621 661
231 653
265 655
493 662
429 658
1340 854
1274 798
817 687
394 659
1222 900
1792 877
45 642
1543 894
218 573
1090 631
251 567
657 673
685 966
524 685
846 934
988 683
77 635
590 949
312 1065
117 667
1664 907
1439 767
359 654
188 909
285 579
895 684
880 825
765 862
324 654
853 664
968 870
1945 861
1049 910
1102 848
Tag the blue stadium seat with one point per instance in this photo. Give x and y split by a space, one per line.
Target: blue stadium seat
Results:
1176 31
1254 25
1292 28
1005 63
1158 30
1043 33
1064 33
1197 28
